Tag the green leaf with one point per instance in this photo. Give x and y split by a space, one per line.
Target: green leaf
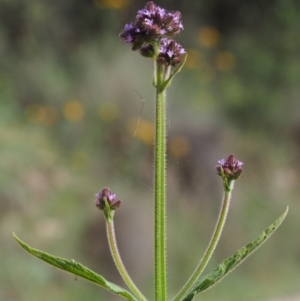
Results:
78 269
232 262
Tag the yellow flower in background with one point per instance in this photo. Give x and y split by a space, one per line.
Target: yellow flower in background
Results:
73 111
144 130
179 146
36 113
209 37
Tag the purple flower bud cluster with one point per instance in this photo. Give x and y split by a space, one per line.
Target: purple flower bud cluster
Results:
230 167
170 52
107 196
153 25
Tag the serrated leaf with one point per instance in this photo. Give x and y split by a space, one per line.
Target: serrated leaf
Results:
229 264
77 269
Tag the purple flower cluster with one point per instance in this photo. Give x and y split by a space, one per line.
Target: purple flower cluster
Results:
230 167
154 26
170 52
107 196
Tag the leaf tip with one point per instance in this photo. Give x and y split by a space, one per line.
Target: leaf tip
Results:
285 212
15 236
18 240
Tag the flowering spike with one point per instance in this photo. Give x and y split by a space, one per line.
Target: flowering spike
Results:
107 202
170 53
230 168
151 24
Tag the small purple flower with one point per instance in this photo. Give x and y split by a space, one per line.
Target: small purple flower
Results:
170 52
151 24
230 167
107 196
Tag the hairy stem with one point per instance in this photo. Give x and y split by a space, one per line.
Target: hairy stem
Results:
110 229
160 190
211 247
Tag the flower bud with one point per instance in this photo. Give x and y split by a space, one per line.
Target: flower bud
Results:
147 51
230 168
105 199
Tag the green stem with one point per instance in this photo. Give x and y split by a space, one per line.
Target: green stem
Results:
212 245
110 229
160 190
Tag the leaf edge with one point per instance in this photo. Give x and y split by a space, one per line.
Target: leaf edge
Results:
77 269
219 273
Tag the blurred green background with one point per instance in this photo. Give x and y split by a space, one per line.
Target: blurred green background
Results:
68 114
